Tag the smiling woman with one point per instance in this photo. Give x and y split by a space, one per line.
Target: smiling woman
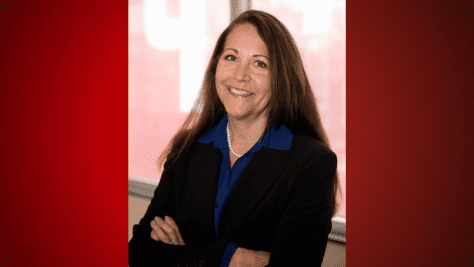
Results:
249 178
243 86
242 70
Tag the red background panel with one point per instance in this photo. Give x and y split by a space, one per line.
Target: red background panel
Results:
64 133
409 140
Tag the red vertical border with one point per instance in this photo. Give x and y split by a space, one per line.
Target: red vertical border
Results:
410 100
64 133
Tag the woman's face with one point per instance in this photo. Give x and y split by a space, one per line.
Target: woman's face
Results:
243 74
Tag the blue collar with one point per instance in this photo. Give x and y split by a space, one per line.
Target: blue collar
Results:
279 139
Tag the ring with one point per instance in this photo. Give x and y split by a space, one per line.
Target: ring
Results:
173 240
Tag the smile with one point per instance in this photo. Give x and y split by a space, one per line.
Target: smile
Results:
239 92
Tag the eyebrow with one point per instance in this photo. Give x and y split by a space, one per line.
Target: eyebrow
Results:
237 52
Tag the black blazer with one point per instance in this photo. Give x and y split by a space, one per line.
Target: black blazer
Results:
280 204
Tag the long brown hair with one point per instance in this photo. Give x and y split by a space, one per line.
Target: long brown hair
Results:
292 101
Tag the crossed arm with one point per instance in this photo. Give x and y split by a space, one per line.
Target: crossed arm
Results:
305 219
167 231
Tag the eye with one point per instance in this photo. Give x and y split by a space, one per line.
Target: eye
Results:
230 57
261 64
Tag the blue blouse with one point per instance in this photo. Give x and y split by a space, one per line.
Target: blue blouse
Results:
279 139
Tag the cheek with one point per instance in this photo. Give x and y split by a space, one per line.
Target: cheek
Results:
264 83
222 73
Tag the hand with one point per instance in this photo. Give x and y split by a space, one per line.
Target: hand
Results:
166 231
247 257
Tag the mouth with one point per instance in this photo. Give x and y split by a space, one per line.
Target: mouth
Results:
238 92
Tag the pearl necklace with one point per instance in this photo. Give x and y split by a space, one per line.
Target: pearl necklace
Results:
228 142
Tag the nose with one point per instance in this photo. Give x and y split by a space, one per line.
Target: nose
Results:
241 73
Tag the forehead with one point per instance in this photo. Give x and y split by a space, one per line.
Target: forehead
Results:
245 38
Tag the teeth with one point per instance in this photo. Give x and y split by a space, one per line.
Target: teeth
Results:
239 92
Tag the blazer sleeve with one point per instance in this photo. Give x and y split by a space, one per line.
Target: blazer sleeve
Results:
144 251
302 232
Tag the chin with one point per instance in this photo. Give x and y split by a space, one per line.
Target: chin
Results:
245 115
240 115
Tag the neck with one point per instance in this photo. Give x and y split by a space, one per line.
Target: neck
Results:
246 132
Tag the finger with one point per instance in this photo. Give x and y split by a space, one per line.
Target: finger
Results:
154 236
173 224
168 230
159 231
166 227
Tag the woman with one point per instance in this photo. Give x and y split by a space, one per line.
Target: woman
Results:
249 178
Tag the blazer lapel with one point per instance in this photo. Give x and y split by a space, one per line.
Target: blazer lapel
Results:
199 198
262 171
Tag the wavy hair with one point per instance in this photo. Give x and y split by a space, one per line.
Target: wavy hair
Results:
292 101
